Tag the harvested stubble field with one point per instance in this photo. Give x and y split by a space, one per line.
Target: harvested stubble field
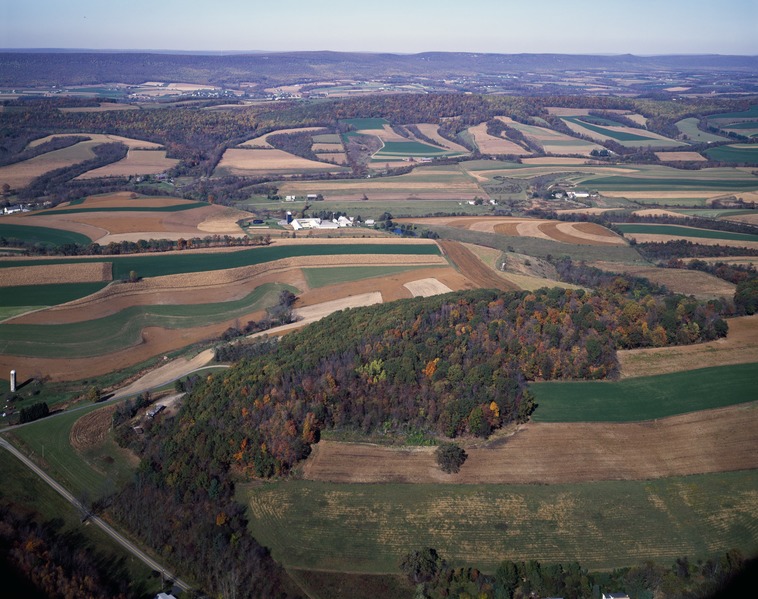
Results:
680 157
136 162
604 525
688 282
262 140
740 346
564 232
91 429
65 273
21 174
247 162
100 138
650 238
432 132
489 144
703 442
552 142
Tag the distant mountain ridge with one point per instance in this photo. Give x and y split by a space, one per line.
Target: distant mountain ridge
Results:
40 67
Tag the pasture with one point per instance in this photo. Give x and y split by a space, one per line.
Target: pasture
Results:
736 153
689 128
645 398
368 528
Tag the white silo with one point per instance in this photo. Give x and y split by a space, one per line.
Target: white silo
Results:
13 381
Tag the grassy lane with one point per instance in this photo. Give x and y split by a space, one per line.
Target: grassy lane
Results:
645 398
367 528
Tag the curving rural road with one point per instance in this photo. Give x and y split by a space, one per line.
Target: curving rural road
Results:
107 528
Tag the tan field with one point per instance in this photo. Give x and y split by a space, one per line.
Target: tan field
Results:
680 157
751 219
688 282
326 148
136 162
132 144
656 212
335 157
563 160
620 129
489 144
647 237
84 272
105 227
432 132
552 142
426 287
23 173
248 162
553 453
262 140
565 232
740 346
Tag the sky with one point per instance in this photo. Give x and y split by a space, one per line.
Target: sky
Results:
640 27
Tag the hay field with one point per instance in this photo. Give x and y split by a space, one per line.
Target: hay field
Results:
489 144
23 173
262 140
535 453
136 162
426 287
336 157
132 144
84 272
241 162
564 232
680 157
688 282
740 346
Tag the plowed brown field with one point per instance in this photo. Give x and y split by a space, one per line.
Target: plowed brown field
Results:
550 453
474 269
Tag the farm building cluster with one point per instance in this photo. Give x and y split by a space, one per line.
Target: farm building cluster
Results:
298 224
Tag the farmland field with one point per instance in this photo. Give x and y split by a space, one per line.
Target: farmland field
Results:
136 162
628 136
645 398
185 262
751 113
321 277
46 295
680 157
738 153
368 528
250 162
124 329
690 129
43 235
489 144
677 231
551 141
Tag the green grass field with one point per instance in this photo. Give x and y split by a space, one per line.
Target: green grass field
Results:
751 113
46 295
176 208
685 232
367 123
738 153
393 149
321 277
645 398
124 329
743 125
620 136
47 441
681 183
603 525
155 265
42 235
23 487
690 129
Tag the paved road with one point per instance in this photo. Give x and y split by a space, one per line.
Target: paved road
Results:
97 521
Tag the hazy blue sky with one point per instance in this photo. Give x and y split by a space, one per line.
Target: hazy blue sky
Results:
504 26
